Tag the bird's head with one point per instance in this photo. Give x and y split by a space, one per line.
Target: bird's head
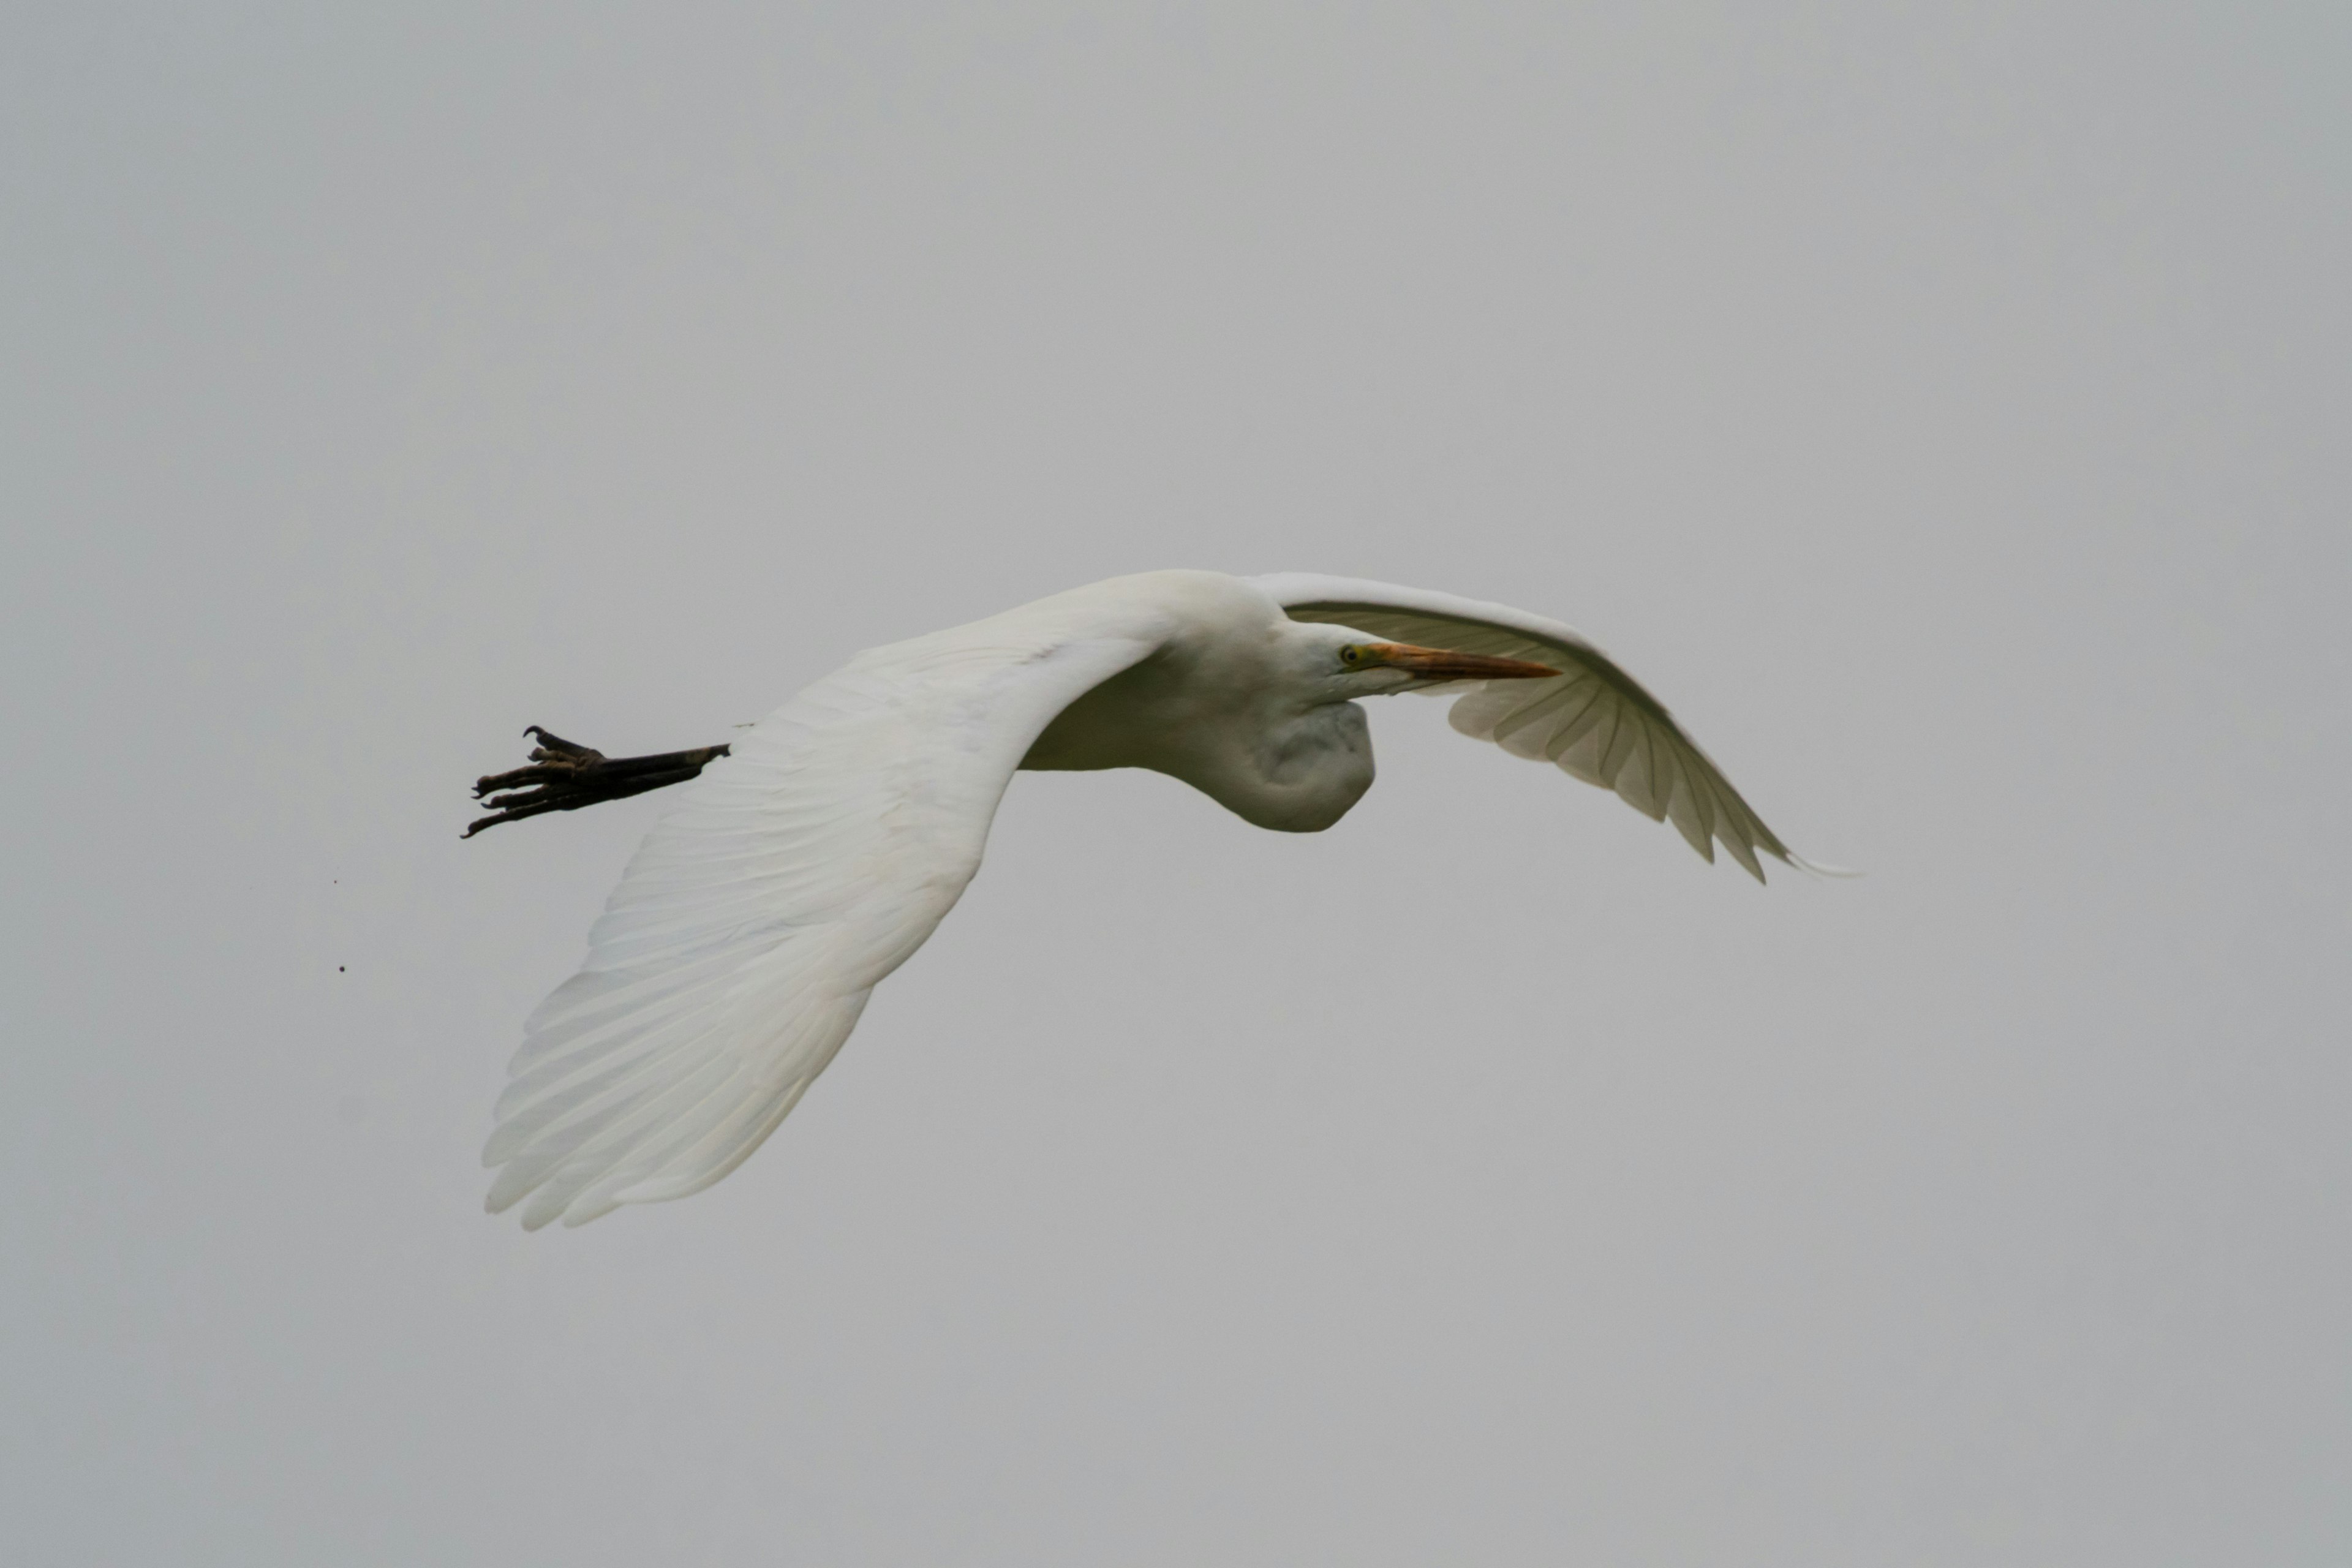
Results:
1355 664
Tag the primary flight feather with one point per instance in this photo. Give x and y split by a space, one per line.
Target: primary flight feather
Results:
809 860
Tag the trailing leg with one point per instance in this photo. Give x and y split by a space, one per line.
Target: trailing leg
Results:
564 776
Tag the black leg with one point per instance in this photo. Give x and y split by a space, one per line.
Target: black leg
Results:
565 776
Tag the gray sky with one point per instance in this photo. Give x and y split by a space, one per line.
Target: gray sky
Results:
1943 407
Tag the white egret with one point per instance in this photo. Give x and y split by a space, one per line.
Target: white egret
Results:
815 854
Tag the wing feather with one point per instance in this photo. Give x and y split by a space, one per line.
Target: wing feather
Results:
1595 721
739 947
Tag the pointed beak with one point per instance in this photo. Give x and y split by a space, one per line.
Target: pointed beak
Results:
1437 664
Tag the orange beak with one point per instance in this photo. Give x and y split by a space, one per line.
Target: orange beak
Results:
1437 664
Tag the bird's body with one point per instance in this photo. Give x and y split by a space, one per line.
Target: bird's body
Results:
795 874
1228 700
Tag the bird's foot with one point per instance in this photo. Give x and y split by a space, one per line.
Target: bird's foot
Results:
565 776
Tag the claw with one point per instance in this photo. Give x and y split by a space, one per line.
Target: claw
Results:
563 775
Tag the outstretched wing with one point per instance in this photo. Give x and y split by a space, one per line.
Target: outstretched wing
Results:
1597 722
741 946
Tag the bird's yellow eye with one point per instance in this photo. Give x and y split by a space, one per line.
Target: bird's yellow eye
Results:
1351 653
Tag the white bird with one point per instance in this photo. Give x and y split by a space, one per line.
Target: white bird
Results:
816 855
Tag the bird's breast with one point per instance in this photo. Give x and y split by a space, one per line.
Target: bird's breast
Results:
1304 775
1294 772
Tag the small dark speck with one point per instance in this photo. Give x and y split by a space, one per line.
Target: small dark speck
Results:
339 968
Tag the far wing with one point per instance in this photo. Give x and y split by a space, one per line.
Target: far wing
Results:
1594 720
735 956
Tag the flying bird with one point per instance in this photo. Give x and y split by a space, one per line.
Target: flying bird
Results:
813 855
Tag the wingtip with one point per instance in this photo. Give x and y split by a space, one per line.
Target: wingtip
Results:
1820 869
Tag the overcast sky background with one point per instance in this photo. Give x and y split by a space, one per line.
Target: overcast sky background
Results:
1944 407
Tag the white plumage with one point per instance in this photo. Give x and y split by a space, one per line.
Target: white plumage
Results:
1595 721
736 954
